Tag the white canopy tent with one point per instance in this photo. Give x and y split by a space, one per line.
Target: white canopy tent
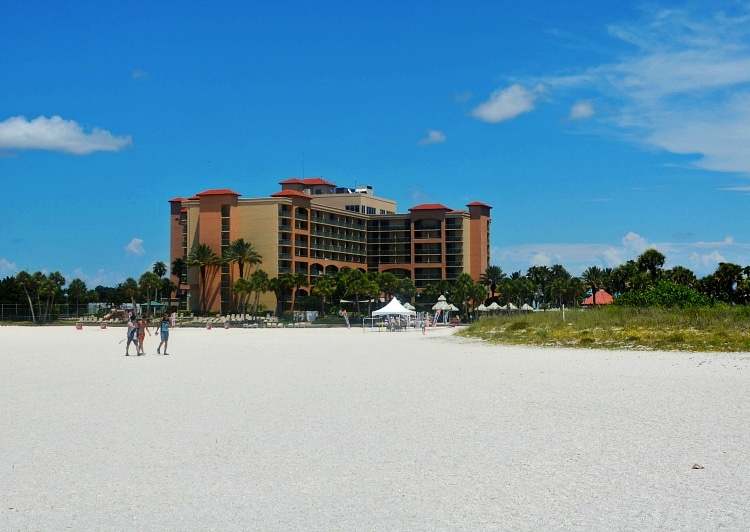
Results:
394 308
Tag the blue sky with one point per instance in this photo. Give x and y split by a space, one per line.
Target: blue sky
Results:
595 130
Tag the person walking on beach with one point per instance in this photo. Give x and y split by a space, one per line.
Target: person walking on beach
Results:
142 330
164 326
132 334
422 324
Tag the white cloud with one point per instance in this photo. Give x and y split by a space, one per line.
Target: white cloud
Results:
101 277
56 134
507 103
708 260
686 89
581 110
540 259
434 136
682 86
135 247
634 243
7 267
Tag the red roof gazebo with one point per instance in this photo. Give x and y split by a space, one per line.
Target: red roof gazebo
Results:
602 298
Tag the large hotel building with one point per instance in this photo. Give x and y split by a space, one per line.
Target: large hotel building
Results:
313 227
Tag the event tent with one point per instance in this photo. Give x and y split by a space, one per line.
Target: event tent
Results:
394 308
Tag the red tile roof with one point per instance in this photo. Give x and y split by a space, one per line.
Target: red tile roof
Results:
478 204
307 181
176 200
283 193
602 298
431 207
218 192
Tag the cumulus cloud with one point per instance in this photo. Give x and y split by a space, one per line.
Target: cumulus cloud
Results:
434 136
507 103
581 110
57 134
7 267
135 247
634 243
541 259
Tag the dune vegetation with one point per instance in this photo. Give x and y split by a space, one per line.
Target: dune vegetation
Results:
720 328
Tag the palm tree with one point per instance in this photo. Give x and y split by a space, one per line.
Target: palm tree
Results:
178 269
51 287
491 277
575 291
681 275
298 280
558 289
149 283
259 285
727 276
352 283
462 292
241 253
651 261
325 287
388 283
26 281
281 286
169 287
160 269
242 288
540 277
131 290
477 294
77 290
370 288
208 263
406 289
593 276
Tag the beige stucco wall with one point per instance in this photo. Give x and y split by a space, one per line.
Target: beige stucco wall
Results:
257 223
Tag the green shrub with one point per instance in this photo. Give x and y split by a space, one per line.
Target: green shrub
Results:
665 294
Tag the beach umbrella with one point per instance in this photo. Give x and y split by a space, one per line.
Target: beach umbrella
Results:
441 304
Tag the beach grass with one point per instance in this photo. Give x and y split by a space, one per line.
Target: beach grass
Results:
716 329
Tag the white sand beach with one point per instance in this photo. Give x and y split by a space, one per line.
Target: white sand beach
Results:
336 429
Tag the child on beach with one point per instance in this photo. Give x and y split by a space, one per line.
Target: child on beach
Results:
164 330
142 330
132 334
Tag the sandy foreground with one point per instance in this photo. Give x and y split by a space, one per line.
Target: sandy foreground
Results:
335 429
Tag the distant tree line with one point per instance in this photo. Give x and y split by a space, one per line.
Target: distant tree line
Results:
640 282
